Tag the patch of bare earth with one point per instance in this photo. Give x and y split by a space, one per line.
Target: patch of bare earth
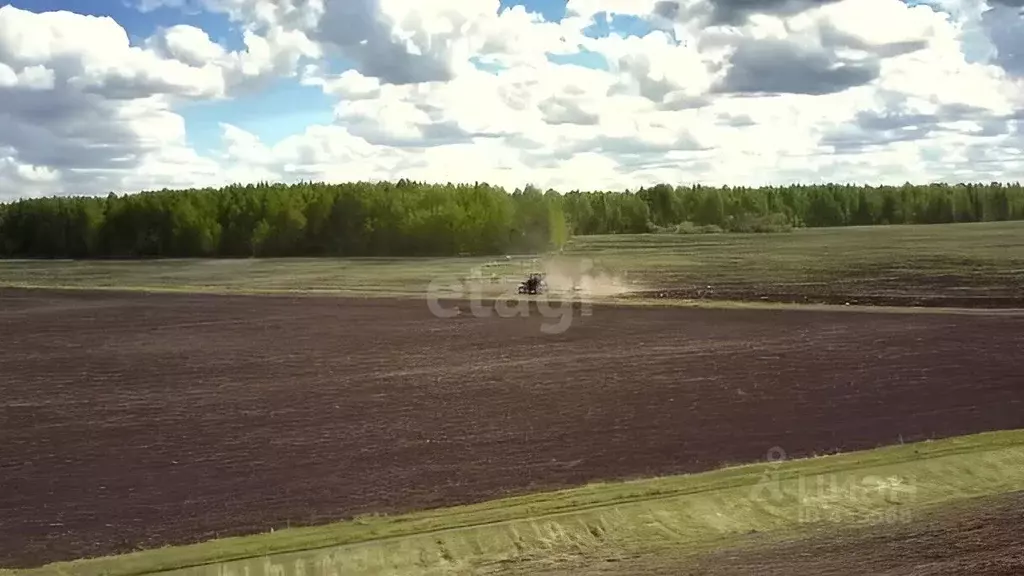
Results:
135 420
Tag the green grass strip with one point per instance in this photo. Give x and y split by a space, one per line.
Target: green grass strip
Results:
692 511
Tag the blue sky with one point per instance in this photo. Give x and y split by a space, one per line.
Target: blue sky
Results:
285 108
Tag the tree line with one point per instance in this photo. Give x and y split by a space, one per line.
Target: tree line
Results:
775 208
416 219
276 220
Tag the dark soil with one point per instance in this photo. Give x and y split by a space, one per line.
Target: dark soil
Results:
933 294
926 282
135 420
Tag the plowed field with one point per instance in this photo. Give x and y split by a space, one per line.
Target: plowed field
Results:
134 420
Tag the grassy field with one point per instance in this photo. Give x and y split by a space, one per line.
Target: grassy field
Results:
976 256
885 487
953 265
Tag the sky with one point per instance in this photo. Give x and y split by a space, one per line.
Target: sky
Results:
129 95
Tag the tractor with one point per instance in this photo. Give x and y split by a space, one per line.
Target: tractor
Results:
534 284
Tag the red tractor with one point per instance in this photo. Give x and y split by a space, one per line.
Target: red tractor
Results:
534 284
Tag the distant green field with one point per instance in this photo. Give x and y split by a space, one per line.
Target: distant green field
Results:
690 514
988 250
956 265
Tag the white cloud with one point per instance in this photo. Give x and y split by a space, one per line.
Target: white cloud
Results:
190 45
349 85
659 69
21 180
34 77
588 8
1004 25
721 92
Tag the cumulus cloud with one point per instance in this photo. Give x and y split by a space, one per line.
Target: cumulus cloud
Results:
394 42
93 55
780 67
738 11
397 41
719 91
80 102
75 95
22 180
1004 24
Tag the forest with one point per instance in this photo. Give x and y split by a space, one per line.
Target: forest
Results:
407 218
